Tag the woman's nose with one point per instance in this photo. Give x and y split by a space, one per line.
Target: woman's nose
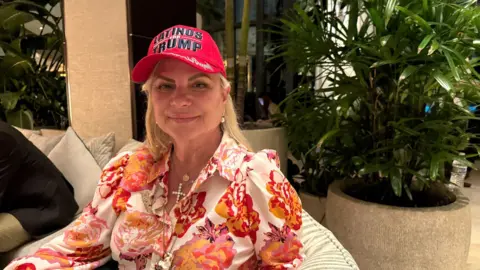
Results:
180 98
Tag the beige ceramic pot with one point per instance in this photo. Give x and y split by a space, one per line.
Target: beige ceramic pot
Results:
314 205
387 237
270 138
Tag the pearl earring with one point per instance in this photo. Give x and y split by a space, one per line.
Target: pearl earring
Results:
223 119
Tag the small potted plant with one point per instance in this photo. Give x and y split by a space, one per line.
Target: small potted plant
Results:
397 79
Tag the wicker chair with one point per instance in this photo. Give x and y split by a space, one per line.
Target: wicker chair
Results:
322 249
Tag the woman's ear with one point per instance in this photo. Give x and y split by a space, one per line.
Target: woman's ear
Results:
225 94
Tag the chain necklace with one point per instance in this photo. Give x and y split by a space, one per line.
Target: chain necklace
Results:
165 262
179 192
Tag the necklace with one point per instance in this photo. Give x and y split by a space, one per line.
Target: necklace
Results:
179 192
165 262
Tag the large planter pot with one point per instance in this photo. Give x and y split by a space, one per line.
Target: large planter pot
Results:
314 205
270 138
386 237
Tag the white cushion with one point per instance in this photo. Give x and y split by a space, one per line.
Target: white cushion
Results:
78 166
101 148
28 132
45 143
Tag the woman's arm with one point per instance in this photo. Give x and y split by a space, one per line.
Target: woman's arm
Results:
277 238
85 245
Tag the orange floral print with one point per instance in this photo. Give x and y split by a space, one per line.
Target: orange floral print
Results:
285 203
273 157
230 158
140 260
137 171
53 256
207 172
281 246
137 234
249 264
120 200
210 248
237 207
26 266
86 229
111 177
88 254
189 212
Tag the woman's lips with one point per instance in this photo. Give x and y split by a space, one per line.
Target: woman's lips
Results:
182 119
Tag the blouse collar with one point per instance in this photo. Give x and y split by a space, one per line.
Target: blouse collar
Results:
226 159
145 174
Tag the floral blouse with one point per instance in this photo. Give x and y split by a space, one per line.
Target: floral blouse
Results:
241 213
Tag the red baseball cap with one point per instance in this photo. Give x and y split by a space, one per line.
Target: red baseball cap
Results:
187 44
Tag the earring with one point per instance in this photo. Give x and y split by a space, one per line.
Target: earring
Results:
223 119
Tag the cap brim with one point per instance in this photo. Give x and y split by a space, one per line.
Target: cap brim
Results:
142 70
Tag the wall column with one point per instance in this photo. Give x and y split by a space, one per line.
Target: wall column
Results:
98 69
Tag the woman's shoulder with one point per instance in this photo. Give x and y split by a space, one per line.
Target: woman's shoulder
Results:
131 155
141 169
266 159
130 161
258 166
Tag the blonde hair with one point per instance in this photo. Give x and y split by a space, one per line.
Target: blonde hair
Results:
157 141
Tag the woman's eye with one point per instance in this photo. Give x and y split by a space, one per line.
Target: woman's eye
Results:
164 87
200 85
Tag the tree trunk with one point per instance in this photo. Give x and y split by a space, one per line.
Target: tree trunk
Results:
242 61
230 45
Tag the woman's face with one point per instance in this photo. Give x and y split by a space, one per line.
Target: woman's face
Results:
187 103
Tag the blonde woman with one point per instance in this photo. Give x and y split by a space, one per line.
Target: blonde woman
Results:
195 197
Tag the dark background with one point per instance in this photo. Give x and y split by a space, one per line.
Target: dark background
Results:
146 19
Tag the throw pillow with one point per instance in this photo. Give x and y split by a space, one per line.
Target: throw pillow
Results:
28 132
52 132
130 146
77 164
45 143
101 148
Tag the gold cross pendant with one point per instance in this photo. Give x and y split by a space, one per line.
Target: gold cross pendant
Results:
179 193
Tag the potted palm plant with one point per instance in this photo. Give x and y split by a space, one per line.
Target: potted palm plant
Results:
390 116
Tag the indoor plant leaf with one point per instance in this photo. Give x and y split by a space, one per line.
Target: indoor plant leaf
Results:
407 72
12 19
452 65
416 18
389 8
377 19
433 47
384 39
442 80
20 118
9 100
396 181
425 42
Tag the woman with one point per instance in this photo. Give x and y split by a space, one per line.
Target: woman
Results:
194 197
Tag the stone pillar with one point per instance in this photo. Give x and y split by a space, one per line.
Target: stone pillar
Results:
98 68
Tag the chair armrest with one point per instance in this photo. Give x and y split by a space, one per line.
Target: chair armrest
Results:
322 249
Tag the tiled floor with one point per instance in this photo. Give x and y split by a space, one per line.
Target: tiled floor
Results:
474 194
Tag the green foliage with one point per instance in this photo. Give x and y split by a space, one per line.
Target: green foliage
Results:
32 90
382 62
